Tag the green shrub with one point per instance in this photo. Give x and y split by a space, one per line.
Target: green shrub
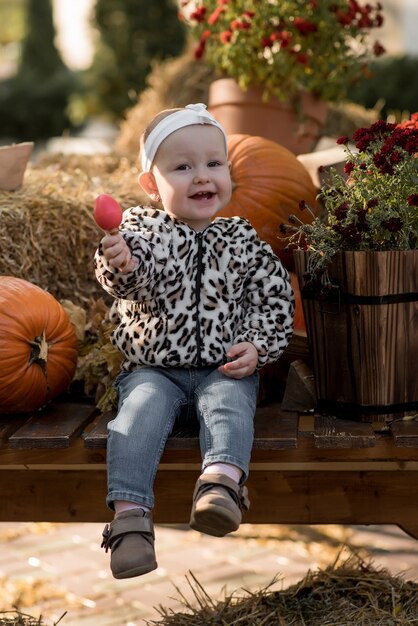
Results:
392 86
134 34
33 103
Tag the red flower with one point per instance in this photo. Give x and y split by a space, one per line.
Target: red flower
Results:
378 49
393 225
226 36
283 36
304 26
395 157
199 14
302 58
343 140
348 168
413 199
267 42
200 49
341 211
213 18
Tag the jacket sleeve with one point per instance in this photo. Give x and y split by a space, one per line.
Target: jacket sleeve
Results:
269 302
149 249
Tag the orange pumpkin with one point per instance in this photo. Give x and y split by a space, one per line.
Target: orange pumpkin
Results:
38 346
268 184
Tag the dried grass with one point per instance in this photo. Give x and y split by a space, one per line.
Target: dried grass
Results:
47 232
16 618
347 593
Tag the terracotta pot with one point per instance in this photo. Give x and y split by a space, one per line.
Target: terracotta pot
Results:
245 112
363 336
13 162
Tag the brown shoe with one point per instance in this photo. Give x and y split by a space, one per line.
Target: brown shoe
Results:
130 538
218 504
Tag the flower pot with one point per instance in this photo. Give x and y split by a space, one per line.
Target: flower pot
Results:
13 162
363 337
245 112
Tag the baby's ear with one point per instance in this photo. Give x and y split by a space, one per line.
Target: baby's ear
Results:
147 182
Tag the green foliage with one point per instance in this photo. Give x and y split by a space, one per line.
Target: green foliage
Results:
286 46
392 84
134 34
33 103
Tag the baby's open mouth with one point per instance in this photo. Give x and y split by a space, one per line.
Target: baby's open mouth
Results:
203 195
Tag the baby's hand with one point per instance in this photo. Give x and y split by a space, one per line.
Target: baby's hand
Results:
117 252
244 361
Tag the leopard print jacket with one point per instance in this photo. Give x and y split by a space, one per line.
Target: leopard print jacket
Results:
192 295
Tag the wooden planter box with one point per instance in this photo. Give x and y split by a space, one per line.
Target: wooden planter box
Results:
363 339
13 162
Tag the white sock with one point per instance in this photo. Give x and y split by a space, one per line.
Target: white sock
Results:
232 471
121 506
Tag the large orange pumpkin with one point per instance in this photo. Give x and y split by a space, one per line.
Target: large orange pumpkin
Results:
38 346
268 184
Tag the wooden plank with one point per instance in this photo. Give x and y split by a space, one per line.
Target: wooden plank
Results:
8 425
332 432
277 497
55 427
97 436
274 429
405 432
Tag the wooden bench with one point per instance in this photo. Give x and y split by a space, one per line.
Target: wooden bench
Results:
306 469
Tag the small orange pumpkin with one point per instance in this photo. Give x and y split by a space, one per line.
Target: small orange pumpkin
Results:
38 346
268 184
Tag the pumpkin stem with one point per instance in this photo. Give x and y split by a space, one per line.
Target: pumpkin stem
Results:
39 353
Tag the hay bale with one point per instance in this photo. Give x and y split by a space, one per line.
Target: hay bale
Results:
348 593
47 232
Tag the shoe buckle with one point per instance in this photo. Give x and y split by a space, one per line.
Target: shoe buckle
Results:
243 499
106 537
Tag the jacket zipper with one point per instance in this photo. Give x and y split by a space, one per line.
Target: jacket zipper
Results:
198 288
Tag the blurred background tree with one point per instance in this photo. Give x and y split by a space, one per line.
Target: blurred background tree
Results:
392 86
12 29
33 102
133 35
44 98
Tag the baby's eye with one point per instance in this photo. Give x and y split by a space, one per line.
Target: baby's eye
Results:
183 166
214 163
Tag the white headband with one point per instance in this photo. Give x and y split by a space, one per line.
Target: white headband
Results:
191 114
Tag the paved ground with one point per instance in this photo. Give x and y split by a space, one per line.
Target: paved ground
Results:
51 568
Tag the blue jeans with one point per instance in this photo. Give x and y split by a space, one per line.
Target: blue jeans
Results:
152 400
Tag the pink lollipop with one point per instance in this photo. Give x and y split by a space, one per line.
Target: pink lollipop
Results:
108 216
107 213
